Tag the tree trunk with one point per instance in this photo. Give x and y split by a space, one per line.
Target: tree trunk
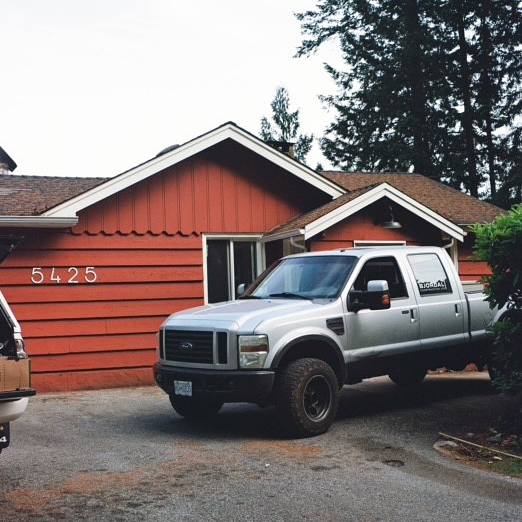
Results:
467 120
487 102
414 60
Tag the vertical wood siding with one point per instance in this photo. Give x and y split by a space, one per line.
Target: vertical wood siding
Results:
145 246
206 193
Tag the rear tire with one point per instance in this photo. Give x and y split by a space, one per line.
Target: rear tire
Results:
408 376
307 397
194 408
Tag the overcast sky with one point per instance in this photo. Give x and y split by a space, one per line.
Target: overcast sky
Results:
95 87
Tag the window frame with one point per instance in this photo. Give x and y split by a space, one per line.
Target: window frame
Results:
231 238
395 260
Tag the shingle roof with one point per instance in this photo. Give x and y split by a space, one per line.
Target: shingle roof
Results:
32 195
455 206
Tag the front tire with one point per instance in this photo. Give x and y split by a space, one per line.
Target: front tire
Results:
194 408
307 397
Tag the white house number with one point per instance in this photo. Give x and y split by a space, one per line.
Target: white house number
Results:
71 275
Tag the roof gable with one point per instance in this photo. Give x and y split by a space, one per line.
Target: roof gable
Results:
324 217
228 131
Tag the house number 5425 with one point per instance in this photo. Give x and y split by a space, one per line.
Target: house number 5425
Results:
71 275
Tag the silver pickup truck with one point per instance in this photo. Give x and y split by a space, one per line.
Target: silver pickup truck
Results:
314 322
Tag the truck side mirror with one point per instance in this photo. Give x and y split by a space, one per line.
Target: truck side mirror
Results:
241 289
376 297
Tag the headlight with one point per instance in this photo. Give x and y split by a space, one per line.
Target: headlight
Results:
253 350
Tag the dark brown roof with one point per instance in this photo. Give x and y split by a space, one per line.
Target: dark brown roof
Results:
457 207
33 195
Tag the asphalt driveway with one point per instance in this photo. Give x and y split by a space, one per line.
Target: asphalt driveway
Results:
124 455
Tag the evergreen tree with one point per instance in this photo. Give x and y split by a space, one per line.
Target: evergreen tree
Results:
431 86
483 45
498 57
286 125
386 117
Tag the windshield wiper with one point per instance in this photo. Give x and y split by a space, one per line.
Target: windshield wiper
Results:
290 295
249 297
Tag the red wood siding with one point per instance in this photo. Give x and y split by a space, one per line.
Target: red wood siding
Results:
470 268
87 335
145 245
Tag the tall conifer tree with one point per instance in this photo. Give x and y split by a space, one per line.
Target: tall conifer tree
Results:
431 86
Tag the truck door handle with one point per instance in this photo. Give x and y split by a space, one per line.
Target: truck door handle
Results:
458 312
413 315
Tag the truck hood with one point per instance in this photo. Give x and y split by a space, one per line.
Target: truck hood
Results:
245 314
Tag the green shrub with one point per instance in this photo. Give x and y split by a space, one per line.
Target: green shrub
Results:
500 244
507 356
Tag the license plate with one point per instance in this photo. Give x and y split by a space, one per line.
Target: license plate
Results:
183 388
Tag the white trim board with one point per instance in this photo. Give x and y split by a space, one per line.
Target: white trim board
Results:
373 195
228 131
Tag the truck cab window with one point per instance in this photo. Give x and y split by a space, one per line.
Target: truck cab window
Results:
382 268
429 274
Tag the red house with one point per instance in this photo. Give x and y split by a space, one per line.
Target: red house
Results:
101 262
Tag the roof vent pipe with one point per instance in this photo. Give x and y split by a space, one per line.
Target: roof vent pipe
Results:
167 150
285 147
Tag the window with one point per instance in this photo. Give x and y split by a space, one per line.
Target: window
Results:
230 262
430 274
381 268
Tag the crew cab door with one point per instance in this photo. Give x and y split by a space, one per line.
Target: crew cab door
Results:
441 308
376 333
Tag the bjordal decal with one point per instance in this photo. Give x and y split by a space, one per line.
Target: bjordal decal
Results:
64 275
433 287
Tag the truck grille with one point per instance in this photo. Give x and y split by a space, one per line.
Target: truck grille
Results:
189 346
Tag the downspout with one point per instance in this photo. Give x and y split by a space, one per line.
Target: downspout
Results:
296 246
453 252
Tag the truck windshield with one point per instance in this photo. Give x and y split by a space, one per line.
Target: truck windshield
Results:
307 277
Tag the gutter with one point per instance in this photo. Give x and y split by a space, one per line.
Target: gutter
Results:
283 235
38 221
